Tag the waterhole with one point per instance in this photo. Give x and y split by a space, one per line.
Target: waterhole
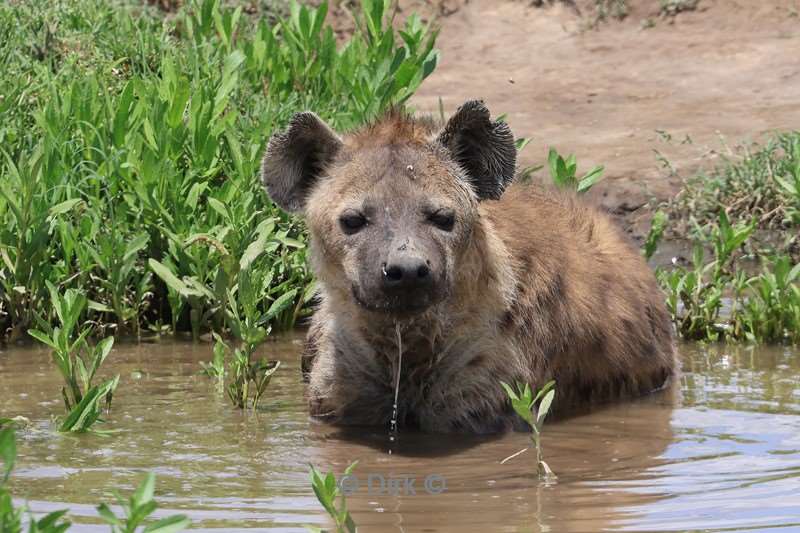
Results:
720 452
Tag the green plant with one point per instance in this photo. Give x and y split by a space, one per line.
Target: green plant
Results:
657 227
563 172
216 367
11 517
76 360
790 181
137 509
248 377
753 183
533 410
762 307
131 146
327 490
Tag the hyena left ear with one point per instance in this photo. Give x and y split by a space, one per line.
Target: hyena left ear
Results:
295 159
484 149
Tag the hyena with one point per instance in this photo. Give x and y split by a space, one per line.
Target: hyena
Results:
422 236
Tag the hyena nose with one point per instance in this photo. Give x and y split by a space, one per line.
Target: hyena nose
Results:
406 273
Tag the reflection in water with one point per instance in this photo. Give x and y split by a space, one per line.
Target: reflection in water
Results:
723 456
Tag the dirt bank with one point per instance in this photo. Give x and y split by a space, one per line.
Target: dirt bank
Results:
729 68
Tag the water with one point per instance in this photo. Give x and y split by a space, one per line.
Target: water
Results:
719 453
397 371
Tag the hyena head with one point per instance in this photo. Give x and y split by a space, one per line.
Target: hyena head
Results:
391 207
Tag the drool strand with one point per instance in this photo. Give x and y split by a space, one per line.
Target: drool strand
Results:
398 369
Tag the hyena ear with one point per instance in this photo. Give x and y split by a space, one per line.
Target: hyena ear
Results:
484 149
295 158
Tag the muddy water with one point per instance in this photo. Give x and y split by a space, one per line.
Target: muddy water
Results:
721 454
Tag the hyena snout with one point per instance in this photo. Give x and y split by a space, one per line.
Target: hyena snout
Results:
406 280
406 272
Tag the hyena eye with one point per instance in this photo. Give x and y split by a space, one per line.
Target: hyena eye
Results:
352 222
444 219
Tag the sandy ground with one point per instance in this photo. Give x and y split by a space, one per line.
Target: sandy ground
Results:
729 70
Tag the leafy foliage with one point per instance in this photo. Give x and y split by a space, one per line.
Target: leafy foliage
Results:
136 509
76 360
131 145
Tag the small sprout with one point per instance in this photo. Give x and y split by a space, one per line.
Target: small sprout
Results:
533 410
137 508
327 490
563 172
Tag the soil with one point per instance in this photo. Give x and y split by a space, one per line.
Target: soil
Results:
725 73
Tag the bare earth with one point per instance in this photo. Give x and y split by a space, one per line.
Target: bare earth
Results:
730 69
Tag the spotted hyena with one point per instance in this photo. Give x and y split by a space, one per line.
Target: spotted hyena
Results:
421 236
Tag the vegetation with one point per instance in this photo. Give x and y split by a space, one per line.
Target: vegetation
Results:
533 410
760 184
327 490
137 508
761 307
670 8
743 282
131 146
77 361
564 172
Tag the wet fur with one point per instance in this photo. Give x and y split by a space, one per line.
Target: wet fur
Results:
546 287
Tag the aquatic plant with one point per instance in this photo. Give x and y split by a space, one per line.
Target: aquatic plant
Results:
533 410
763 307
131 146
137 508
248 379
10 517
327 490
76 360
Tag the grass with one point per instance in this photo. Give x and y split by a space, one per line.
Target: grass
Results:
759 183
136 509
131 145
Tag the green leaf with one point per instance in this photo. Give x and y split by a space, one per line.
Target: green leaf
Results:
145 491
135 245
254 249
42 337
8 451
108 515
281 303
168 277
544 407
591 177
169 524
64 207
509 391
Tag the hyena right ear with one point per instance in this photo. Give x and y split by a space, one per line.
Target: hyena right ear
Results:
483 148
295 158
